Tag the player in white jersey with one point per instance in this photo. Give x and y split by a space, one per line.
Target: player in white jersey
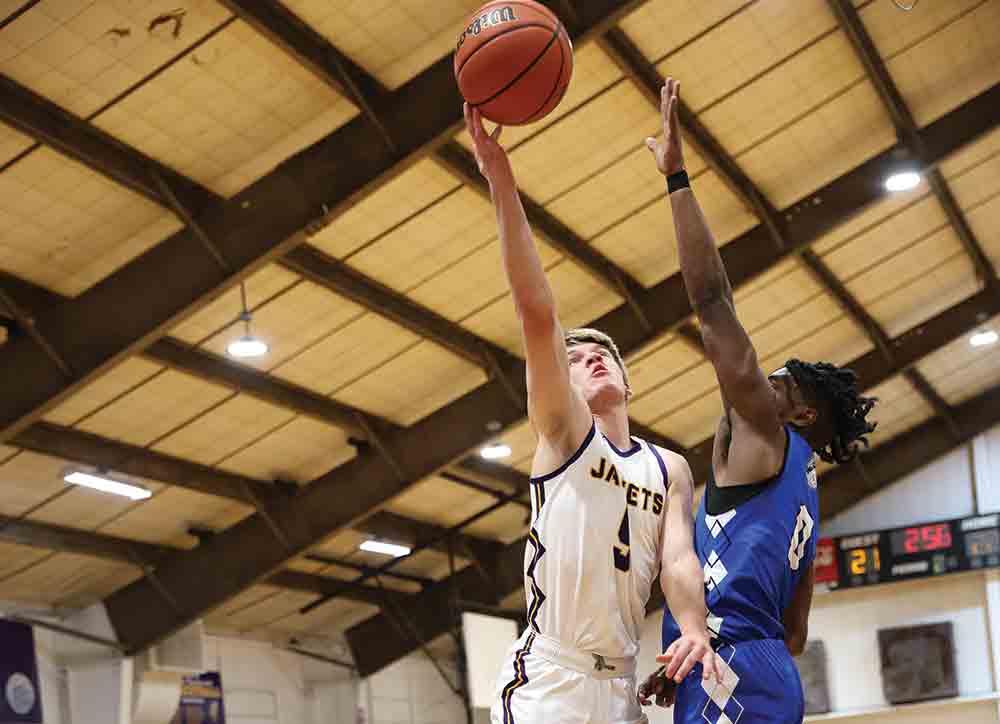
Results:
608 510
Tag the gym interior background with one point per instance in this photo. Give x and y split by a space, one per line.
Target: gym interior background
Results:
181 176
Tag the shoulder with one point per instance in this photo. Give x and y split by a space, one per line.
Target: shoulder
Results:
674 466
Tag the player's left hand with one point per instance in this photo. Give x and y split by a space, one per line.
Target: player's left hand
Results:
686 651
659 686
669 153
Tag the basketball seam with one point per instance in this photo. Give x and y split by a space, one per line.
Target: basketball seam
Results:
516 78
508 30
527 25
562 64
498 35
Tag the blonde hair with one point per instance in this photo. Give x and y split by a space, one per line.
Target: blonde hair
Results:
583 335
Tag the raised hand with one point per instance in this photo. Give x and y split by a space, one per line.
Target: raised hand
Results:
490 155
686 651
669 153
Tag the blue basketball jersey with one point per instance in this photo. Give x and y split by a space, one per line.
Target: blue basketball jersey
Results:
754 554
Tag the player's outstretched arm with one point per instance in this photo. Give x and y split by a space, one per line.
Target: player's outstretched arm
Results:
682 580
727 344
557 410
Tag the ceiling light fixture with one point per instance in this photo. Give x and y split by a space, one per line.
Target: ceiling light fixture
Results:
495 452
388 549
902 181
982 339
248 345
106 484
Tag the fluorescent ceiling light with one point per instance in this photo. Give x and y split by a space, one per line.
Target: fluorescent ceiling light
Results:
106 485
495 452
388 549
981 339
247 346
903 181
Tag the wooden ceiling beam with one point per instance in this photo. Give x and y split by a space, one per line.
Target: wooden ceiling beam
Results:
315 53
874 367
375 644
645 76
62 539
462 165
330 65
53 126
180 356
320 180
85 448
648 81
92 450
873 330
78 141
908 133
324 507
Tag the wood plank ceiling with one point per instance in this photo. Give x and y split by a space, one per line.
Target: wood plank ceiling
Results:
156 156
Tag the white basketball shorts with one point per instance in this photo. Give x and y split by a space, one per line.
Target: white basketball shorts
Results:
542 682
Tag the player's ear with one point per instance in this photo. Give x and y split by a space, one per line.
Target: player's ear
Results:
804 417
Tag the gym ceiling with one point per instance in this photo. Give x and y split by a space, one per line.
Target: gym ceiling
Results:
158 158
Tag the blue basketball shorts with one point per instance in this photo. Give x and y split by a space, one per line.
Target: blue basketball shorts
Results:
760 686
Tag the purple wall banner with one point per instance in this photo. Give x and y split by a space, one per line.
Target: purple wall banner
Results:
20 696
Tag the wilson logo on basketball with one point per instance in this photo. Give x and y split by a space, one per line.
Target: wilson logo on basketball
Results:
490 19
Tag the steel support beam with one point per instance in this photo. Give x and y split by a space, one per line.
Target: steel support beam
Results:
873 368
462 165
361 568
375 646
282 27
88 449
337 499
312 264
177 355
83 447
908 132
72 540
76 138
856 311
293 580
645 76
843 487
648 81
122 550
375 642
398 529
251 229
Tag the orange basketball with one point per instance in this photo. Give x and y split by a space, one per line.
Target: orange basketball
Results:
513 61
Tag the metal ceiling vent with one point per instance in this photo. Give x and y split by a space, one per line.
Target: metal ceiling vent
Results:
184 652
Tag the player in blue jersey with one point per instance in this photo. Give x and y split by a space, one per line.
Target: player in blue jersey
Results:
756 529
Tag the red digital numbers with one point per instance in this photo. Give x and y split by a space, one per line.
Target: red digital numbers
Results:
927 538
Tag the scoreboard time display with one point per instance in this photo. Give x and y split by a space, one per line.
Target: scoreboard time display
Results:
916 551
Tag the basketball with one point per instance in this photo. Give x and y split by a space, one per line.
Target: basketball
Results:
513 61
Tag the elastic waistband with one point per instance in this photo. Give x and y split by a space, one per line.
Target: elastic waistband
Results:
584 662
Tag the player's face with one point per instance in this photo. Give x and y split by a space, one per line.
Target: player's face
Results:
792 401
595 372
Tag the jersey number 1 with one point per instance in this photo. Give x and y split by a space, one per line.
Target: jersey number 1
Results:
803 530
621 548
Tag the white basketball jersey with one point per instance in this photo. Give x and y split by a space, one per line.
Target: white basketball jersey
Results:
594 546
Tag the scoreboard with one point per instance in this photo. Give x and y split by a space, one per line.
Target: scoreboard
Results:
916 551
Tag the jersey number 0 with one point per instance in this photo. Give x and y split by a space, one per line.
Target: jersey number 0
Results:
803 530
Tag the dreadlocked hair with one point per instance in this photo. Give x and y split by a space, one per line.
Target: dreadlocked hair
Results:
835 391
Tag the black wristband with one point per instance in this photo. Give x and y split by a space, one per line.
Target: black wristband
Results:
677 181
